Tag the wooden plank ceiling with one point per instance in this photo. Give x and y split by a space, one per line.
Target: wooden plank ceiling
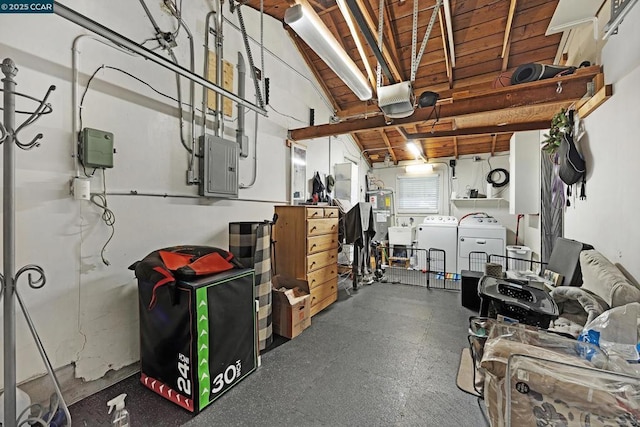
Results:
491 38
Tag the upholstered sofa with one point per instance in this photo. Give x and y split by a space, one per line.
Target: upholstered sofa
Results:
603 287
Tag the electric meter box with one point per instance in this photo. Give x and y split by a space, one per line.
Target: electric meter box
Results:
97 148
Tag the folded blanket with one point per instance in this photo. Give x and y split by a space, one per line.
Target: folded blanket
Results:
577 307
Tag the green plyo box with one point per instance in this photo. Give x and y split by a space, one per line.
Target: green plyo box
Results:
97 148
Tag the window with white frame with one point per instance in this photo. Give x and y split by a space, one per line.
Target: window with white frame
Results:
418 194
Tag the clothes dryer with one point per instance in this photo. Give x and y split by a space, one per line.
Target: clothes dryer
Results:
480 233
438 232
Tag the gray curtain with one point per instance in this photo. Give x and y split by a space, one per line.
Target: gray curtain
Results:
552 210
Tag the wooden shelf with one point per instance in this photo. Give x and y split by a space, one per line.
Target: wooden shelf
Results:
465 203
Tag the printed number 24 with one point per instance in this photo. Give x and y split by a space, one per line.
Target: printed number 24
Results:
184 385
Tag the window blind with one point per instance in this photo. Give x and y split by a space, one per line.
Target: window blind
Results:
418 194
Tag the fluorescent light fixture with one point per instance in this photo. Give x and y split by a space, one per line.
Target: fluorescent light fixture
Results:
420 168
308 25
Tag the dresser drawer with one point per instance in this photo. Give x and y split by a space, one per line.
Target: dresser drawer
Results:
330 212
315 212
323 304
315 227
322 259
324 291
322 243
318 277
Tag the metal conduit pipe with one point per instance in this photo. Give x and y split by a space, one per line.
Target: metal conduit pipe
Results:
124 42
180 111
321 95
242 72
150 16
190 147
205 94
219 54
183 196
240 131
192 97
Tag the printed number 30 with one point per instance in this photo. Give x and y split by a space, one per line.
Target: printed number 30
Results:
227 378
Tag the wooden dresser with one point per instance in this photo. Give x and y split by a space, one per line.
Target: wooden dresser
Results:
307 249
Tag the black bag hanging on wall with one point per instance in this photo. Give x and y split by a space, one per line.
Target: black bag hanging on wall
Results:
573 167
572 164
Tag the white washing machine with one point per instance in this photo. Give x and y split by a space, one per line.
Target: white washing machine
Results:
480 233
438 232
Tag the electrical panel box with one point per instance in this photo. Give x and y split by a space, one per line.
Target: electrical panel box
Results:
218 167
97 148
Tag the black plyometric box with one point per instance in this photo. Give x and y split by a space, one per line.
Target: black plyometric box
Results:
469 292
199 338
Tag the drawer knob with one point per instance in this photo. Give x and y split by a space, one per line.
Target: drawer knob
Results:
333 226
313 246
313 280
313 228
314 213
313 263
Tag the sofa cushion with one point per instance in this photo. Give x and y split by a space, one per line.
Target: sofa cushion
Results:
604 279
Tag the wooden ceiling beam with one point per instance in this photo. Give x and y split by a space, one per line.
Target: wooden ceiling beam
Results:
455 147
388 31
506 42
482 130
356 139
493 144
514 97
385 138
387 51
446 49
336 31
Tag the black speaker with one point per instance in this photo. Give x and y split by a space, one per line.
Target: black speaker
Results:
469 292
428 99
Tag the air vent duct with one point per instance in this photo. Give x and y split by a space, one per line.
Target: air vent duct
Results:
396 101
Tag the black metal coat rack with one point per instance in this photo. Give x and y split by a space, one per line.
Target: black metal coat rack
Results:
10 137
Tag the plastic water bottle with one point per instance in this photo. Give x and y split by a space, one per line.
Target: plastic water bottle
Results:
23 401
121 415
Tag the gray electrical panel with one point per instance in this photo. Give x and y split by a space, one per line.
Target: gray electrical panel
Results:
218 167
97 148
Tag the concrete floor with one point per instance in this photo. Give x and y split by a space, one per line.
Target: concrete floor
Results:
387 355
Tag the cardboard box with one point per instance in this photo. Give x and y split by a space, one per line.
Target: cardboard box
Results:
291 306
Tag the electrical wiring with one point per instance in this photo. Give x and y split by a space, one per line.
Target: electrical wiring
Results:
108 67
285 115
109 218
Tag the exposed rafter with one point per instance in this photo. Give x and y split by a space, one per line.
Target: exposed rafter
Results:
445 49
512 105
494 138
385 138
455 147
506 43
387 50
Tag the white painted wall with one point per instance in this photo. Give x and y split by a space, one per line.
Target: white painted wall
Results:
469 175
87 313
607 218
